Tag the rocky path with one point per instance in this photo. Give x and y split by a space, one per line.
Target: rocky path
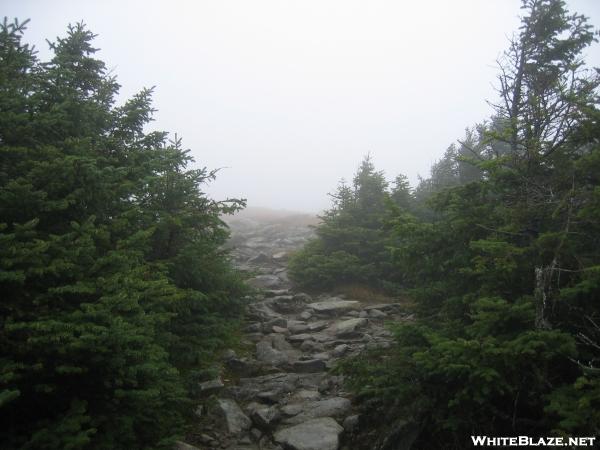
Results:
282 395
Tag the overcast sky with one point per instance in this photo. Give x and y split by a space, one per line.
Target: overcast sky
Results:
287 96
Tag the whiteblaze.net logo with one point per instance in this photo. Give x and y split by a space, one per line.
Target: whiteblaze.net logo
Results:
527 441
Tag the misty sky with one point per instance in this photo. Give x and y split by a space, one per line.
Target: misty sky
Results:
289 96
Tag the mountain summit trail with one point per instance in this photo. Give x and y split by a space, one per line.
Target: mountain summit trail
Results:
281 395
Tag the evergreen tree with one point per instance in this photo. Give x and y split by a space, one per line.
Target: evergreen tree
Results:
99 223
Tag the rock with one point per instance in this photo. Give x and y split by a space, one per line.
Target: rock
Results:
241 366
340 350
277 322
363 314
293 409
260 258
318 326
316 434
280 256
281 330
305 394
302 297
229 354
256 433
265 417
265 282
206 439
311 346
347 327
309 366
305 315
211 386
376 314
255 327
299 337
267 354
279 343
334 306
350 423
329 407
235 419
179 445
296 327
287 304
325 356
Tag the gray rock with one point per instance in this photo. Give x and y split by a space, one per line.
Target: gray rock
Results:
340 350
305 394
334 306
235 419
316 434
297 326
363 314
347 327
376 314
211 386
299 337
265 282
329 407
260 258
305 315
280 256
265 417
267 354
287 304
350 423
279 343
280 330
325 356
255 327
241 366
309 366
311 346
318 326
277 322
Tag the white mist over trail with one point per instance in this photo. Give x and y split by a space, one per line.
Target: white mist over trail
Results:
287 97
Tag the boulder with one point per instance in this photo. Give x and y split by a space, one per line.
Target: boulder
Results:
347 327
235 420
316 434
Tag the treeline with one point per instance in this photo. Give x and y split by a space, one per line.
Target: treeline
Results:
115 295
499 251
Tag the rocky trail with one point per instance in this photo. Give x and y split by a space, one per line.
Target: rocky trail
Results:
281 394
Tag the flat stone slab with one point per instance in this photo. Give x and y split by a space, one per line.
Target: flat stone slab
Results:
334 306
317 434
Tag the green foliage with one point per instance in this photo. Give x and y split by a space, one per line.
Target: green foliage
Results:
115 293
351 244
502 258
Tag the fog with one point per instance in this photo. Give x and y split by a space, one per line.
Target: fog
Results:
287 96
